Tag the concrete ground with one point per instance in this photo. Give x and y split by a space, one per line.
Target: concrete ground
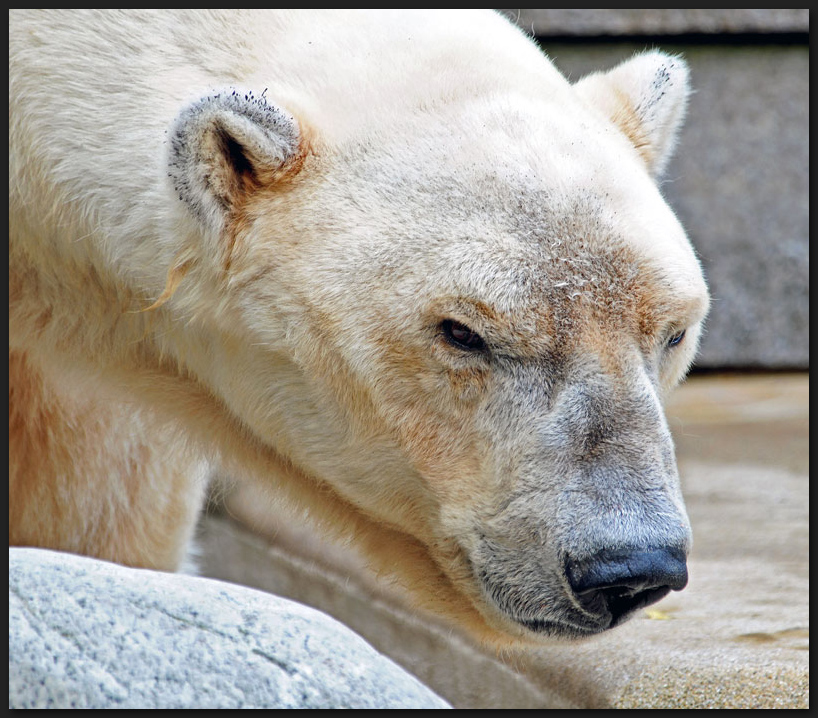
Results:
737 636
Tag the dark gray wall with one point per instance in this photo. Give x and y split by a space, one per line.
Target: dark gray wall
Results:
740 178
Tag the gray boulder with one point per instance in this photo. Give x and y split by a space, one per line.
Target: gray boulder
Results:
89 634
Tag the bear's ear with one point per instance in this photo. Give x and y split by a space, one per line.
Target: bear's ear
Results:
226 146
646 97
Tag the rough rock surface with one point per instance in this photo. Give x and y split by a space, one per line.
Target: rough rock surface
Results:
89 634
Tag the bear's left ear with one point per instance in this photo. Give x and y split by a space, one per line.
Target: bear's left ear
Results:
226 146
646 97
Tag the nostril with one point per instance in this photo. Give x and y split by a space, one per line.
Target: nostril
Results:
616 583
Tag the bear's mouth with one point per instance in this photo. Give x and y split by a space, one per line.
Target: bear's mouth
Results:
558 612
550 614
615 610
558 630
570 614
566 622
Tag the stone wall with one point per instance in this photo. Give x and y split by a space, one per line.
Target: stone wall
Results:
740 178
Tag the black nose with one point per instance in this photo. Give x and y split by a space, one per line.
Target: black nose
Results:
614 584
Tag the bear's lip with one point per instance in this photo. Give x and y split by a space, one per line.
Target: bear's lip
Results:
559 630
573 624
596 623
566 615
564 620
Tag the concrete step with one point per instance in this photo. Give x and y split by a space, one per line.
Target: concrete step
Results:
737 636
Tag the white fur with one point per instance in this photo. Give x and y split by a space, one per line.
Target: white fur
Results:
251 225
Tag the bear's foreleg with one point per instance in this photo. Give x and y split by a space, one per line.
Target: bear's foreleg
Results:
94 474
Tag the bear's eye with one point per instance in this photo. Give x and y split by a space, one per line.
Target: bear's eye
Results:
676 339
461 336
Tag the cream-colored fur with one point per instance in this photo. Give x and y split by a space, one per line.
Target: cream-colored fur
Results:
253 238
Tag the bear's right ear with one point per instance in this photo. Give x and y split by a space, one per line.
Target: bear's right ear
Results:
646 97
226 146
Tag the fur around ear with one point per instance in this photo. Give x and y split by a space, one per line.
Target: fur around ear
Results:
646 97
225 146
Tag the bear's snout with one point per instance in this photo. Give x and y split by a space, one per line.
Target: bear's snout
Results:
613 584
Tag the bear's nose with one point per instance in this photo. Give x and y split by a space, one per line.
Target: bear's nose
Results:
613 584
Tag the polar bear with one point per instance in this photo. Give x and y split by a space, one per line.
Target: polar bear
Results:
392 263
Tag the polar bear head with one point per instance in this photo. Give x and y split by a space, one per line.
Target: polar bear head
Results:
452 304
